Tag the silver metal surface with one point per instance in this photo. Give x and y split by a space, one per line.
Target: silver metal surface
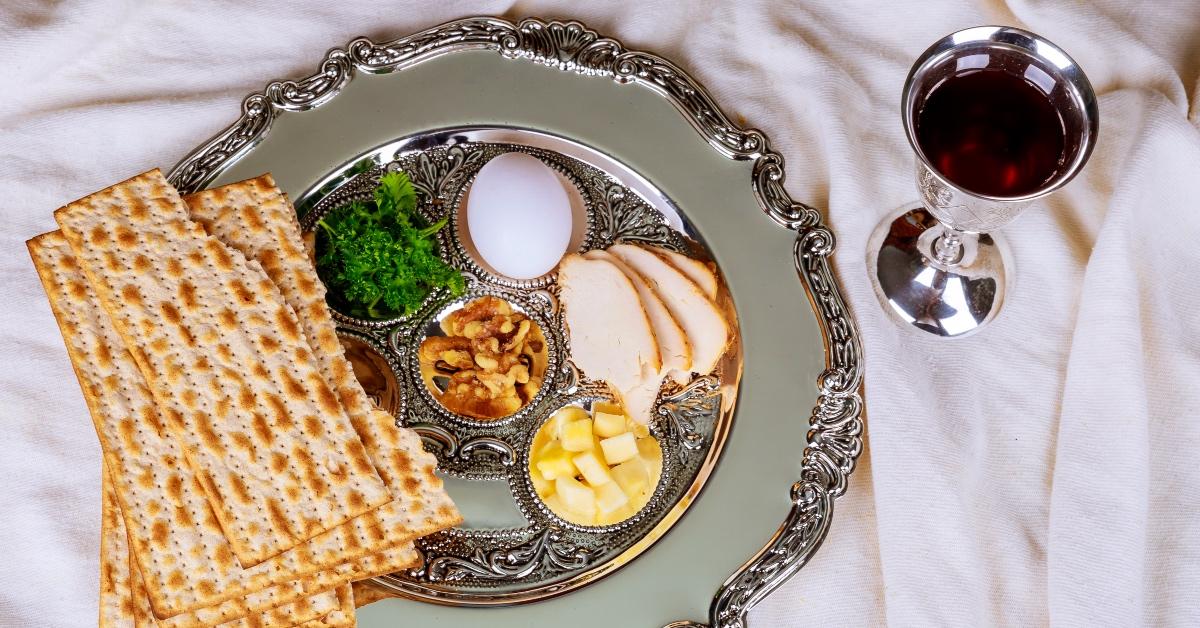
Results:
835 441
934 268
945 299
836 423
549 554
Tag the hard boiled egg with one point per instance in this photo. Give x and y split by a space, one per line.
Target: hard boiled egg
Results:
519 216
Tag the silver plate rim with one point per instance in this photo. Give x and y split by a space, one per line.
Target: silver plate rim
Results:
836 425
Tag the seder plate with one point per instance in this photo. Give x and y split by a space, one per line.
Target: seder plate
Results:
471 565
754 455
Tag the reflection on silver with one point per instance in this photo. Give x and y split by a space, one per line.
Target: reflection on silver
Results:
444 442
946 299
935 268
486 446
375 368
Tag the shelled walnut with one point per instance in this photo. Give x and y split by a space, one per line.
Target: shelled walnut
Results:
490 363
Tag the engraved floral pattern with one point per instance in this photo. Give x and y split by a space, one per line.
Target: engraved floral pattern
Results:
622 217
544 554
689 411
435 174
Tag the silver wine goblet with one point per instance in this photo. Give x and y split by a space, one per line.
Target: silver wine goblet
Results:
981 160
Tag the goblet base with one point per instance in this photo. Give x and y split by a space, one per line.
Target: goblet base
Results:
949 297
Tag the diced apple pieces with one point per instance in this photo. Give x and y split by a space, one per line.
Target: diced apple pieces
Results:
619 448
593 469
576 496
631 476
596 448
555 462
610 497
539 442
564 416
577 435
608 425
650 451
651 454
554 503
543 486
607 407
572 413
616 516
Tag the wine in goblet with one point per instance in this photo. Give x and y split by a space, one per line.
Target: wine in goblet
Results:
998 117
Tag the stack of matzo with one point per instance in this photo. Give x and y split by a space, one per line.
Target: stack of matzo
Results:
248 478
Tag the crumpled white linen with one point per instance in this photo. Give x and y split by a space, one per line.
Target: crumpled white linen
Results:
1040 472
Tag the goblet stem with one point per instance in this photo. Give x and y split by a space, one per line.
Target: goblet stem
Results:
948 247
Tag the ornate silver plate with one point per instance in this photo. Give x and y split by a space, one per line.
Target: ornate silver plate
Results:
637 137
487 565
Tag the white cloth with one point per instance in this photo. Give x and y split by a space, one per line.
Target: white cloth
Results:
1042 471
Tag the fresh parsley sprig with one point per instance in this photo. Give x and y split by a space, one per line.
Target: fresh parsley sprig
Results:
379 257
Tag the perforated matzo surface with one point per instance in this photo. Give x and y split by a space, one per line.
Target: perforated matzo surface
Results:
180 549
257 219
226 360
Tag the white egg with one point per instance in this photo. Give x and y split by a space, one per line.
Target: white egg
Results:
519 216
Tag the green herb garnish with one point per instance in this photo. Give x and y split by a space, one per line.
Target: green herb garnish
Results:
379 257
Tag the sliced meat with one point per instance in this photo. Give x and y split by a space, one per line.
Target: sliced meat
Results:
639 400
672 342
610 333
705 326
696 270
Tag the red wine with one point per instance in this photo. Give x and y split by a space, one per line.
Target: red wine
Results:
991 132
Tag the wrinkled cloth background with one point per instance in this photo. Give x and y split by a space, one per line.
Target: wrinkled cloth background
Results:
1040 472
